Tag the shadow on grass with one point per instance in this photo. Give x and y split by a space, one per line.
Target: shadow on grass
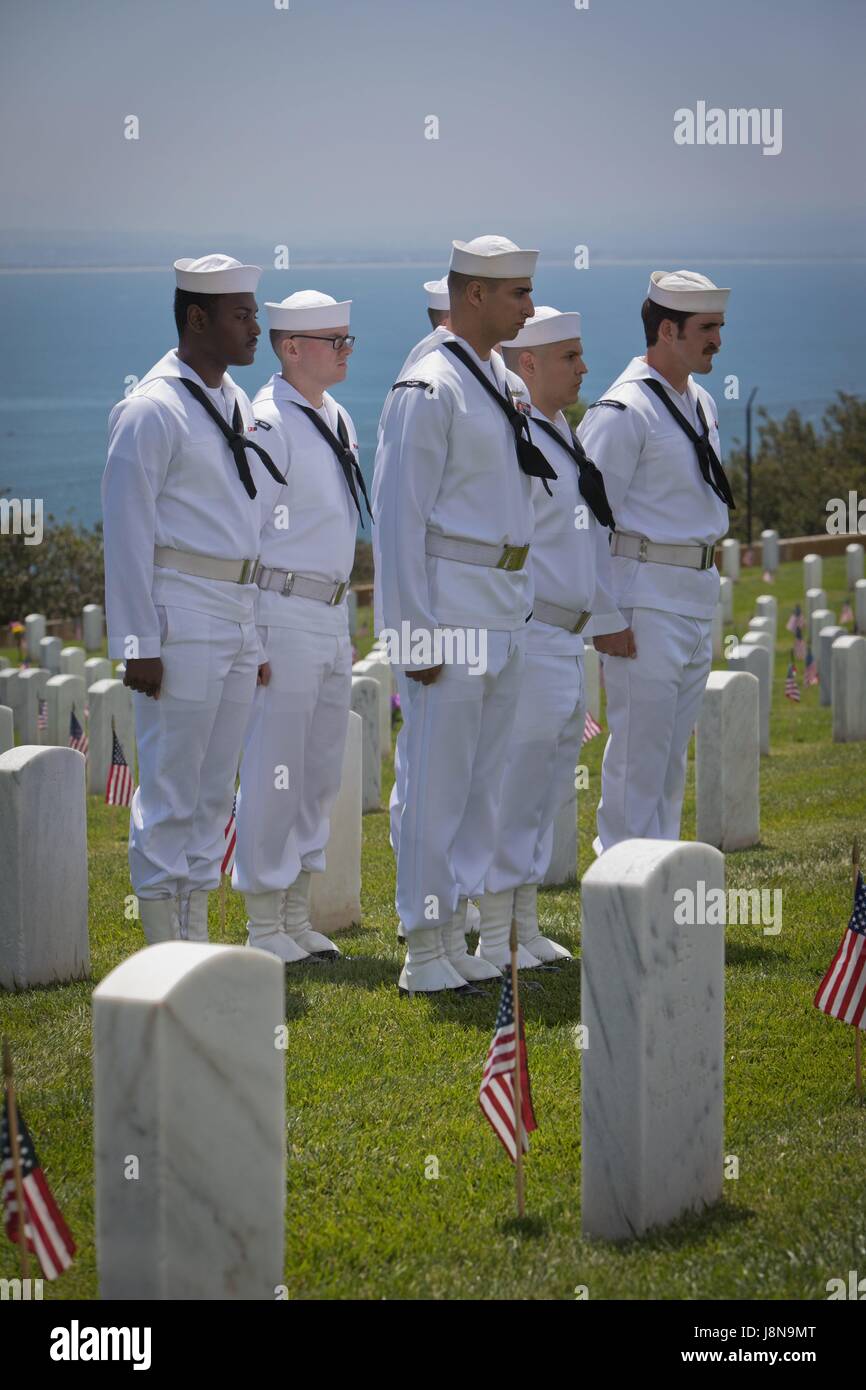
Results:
736 953
526 1227
693 1229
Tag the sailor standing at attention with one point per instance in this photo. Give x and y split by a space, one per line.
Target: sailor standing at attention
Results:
453 511
438 312
181 520
655 437
571 572
293 749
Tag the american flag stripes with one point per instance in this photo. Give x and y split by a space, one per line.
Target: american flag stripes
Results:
231 836
842 992
496 1096
799 646
590 728
47 1234
792 689
846 615
77 736
795 619
118 786
810 675
42 716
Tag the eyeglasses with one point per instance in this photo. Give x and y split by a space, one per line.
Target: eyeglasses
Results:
336 343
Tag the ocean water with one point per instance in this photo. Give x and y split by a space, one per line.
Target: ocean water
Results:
70 339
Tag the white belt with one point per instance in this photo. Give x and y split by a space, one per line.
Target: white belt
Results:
633 547
501 557
557 616
301 585
205 566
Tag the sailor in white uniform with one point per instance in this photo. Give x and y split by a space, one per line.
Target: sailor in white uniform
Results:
453 510
570 566
655 436
293 749
438 311
181 501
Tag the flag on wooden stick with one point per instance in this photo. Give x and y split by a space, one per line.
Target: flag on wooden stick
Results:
118 787
46 1234
496 1096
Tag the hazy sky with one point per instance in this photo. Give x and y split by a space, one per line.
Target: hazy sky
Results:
306 126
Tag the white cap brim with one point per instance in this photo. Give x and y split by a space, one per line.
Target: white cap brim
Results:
547 325
300 320
236 279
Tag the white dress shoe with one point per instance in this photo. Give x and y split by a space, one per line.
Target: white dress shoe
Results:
159 919
495 932
295 916
528 933
265 929
427 969
472 968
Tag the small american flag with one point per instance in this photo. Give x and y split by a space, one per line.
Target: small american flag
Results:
47 1234
792 689
77 736
799 649
231 839
794 621
496 1096
42 717
748 557
590 728
846 615
842 992
118 787
810 675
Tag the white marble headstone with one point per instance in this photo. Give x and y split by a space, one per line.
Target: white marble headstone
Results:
64 693
813 571
849 689
33 684
5 663
92 626
335 900
72 661
49 655
376 667
97 668
853 563
860 606
820 617
652 1001
108 701
189 1124
756 659
352 604
718 632
823 655
731 558
770 550
43 833
34 631
592 681
12 694
815 598
728 761
726 595
766 606
755 637
365 702
7 729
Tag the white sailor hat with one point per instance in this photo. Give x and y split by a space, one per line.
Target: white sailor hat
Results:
493 257
686 291
547 325
308 309
437 293
216 274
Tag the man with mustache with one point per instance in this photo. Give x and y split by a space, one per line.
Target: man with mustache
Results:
182 500
655 437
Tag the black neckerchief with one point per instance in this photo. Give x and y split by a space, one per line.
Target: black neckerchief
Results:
590 482
235 438
711 469
529 456
344 453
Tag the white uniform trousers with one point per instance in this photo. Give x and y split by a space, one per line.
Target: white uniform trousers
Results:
456 736
189 743
398 791
653 703
539 772
293 758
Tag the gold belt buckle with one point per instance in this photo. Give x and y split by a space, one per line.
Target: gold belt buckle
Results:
339 592
513 557
707 557
288 583
249 571
641 555
581 622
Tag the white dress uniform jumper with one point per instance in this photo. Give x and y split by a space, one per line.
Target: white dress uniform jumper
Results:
181 533
668 496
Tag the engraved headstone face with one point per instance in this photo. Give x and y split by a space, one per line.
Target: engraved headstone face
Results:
848 655
110 705
49 654
64 694
826 637
335 897
755 658
34 631
853 563
652 1000
727 761
72 661
92 626
813 571
189 1124
365 702
43 905
815 599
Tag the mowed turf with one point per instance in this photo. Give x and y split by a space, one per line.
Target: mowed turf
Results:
378 1087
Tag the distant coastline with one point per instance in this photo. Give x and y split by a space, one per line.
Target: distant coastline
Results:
85 269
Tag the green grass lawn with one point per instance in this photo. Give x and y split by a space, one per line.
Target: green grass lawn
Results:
376 1084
